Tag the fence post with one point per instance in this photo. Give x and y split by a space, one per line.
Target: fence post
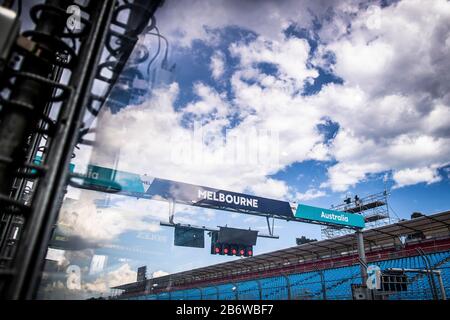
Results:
324 287
217 291
362 256
201 293
259 289
429 273
441 284
288 286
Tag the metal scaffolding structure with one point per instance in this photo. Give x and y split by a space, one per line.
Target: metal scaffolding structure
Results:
374 208
46 91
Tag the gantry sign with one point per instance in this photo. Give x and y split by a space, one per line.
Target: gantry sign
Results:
143 186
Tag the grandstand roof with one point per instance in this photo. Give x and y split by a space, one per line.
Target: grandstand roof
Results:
424 227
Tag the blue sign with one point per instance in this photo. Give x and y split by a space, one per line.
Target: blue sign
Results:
329 216
147 187
143 186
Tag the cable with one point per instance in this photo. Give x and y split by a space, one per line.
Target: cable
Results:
19 8
119 54
157 51
166 41
395 213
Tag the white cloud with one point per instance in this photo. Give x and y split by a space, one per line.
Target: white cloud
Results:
309 195
210 103
407 177
266 17
159 273
271 188
289 55
217 65
122 275
393 108
359 156
383 61
84 219
269 116
387 118
99 225
395 84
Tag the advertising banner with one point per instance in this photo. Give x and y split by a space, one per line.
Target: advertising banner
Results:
142 186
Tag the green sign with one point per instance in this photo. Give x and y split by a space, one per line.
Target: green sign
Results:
329 216
124 182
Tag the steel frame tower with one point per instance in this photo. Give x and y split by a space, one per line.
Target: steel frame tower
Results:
45 91
374 208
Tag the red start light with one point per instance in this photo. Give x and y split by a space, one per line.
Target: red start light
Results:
225 250
233 251
217 250
242 252
250 252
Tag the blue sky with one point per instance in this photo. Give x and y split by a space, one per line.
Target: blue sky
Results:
358 107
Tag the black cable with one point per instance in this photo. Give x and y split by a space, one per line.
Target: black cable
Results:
126 44
157 51
19 8
166 41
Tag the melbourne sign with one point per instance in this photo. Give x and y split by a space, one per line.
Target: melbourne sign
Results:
147 187
228 198
142 186
329 216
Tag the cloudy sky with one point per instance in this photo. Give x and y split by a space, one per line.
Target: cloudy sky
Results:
337 98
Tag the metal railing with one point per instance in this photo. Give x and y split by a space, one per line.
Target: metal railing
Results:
317 289
309 266
316 285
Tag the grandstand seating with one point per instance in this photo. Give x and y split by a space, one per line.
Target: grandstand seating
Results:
338 282
309 285
303 284
248 290
228 292
210 293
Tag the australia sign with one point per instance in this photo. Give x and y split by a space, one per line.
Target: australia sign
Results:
329 216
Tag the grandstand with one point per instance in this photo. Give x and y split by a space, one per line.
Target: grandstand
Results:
324 269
